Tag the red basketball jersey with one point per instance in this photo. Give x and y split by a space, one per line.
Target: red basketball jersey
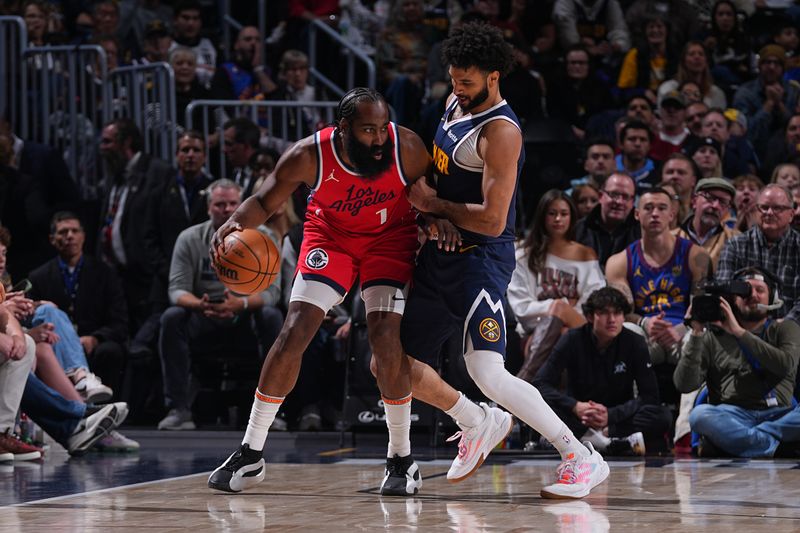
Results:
351 203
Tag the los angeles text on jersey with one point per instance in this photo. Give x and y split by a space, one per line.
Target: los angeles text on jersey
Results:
361 197
440 160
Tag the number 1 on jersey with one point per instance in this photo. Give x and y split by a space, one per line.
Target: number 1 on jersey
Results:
383 213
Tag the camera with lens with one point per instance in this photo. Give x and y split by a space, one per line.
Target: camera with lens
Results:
706 307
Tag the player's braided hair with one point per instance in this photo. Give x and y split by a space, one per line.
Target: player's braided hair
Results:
478 44
348 105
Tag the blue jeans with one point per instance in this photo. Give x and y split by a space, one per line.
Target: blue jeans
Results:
55 414
68 349
744 432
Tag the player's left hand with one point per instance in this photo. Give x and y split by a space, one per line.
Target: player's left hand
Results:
421 195
444 232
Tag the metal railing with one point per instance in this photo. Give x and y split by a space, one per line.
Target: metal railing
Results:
13 81
350 51
68 101
146 94
282 122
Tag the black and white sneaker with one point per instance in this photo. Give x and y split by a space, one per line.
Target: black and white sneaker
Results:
242 470
92 428
402 477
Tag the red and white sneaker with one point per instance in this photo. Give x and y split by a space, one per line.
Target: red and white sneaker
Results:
476 443
577 476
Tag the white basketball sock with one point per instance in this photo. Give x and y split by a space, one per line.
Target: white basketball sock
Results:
466 413
398 421
263 413
522 399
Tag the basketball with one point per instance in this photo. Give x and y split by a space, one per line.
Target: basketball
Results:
250 262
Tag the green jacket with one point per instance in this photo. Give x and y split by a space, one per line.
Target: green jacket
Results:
716 358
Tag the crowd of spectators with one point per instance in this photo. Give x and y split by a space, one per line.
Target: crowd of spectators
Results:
673 114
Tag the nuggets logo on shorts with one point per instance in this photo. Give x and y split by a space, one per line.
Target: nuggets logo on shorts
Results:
317 259
490 330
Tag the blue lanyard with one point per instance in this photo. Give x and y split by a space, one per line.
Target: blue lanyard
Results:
70 281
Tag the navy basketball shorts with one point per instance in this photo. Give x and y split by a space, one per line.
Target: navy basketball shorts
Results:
458 292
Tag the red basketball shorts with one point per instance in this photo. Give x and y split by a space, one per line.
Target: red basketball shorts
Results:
336 259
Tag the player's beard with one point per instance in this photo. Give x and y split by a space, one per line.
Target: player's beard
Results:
361 156
480 98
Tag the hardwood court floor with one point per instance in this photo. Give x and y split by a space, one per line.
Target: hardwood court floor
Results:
654 495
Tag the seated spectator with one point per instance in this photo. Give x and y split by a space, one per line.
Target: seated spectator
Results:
748 188
577 93
705 152
70 423
156 43
786 175
241 140
610 227
737 154
553 276
585 197
657 274
597 404
681 173
651 61
600 26
796 218
175 205
187 88
187 25
675 203
635 140
641 109
693 67
748 361
598 164
246 77
784 34
729 46
768 101
770 244
293 86
673 132
695 112
90 293
202 307
680 15
402 56
783 147
711 202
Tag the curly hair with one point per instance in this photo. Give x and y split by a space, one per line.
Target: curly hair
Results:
477 44
606 298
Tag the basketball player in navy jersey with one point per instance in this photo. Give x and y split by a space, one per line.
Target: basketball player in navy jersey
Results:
359 223
477 159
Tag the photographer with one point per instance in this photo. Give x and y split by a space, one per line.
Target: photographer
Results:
748 362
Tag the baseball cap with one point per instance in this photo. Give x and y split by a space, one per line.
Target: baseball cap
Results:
715 183
673 98
773 50
155 29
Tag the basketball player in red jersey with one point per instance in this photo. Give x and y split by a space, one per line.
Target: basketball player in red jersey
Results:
359 223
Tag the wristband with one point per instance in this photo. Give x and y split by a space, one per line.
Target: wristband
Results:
245 303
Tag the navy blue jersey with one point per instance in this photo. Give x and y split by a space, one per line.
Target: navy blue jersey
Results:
459 171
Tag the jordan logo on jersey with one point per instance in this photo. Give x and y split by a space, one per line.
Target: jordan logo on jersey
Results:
363 197
331 177
440 160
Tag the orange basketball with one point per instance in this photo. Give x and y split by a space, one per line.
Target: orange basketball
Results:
250 263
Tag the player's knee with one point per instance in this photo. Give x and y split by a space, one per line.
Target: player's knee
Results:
373 366
487 371
384 338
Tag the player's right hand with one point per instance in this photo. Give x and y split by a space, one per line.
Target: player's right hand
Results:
218 238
